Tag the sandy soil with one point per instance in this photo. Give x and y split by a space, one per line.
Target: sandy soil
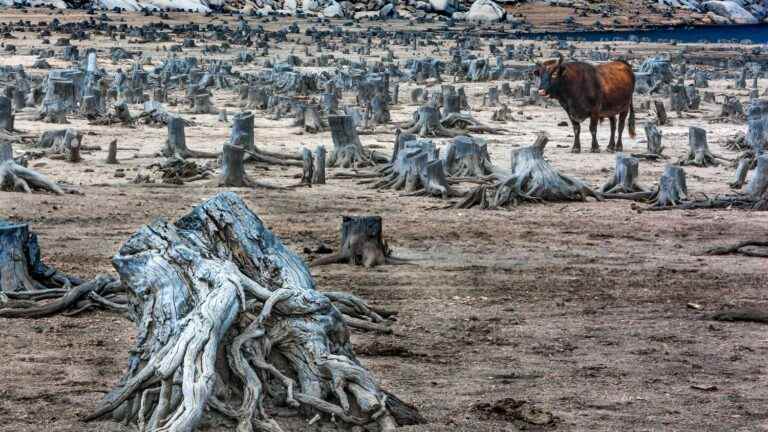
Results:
579 308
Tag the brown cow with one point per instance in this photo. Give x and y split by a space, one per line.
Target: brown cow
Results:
594 92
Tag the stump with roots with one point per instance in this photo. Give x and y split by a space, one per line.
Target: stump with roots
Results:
743 165
698 150
491 99
503 114
318 175
378 110
758 183
176 142
16 178
426 123
231 326
732 109
203 104
653 136
68 147
112 153
531 179
123 114
361 244
466 157
678 100
6 114
233 166
242 132
756 137
624 179
415 169
457 123
672 189
347 149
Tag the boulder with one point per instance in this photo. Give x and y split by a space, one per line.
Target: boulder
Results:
485 11
445 6
731 10
333 10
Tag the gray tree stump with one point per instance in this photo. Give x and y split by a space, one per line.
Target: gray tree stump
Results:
698 150
426 123
318 175
758 183
624 180
672 189
678 102
361 243
16 178
308 170
466 157
653 137
112 153
230 320
176 142
661 113
6 114
347 149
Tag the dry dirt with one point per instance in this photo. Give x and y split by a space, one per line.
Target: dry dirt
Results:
577 308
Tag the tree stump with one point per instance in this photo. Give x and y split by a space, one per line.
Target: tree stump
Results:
661 112
531 179
653 137
90 106
678 102
379 111
416 95
741 81
308 170
6 114
318 176
68 147
347 149
740 175
230 321
492 97
203 104
361 243
16 178
426 123
672 189
757 126
758 184
176 142
466 157
233 167
624 179
692 96
112 153
698 150
312 122
732 109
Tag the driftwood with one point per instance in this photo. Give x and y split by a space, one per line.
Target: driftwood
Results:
231 322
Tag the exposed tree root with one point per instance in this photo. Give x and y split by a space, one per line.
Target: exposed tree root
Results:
742 248
426 123
748 315
465 122
229 319
624 179
532 179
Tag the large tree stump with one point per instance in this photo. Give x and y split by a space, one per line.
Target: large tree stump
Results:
466 157
361 244
698 150
426 123
624 180
231 325
531 179
347 149
233 166
653 137
176 142
672 189
415 169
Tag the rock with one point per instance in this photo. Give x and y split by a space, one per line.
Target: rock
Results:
333 10
717 19
290 6
310 5
387 11
485 11
731 10
446 6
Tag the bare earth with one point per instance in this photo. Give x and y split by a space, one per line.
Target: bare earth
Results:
578 308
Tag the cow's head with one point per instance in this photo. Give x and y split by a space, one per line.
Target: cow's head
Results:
549 74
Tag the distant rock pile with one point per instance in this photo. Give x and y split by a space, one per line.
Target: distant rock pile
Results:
724 11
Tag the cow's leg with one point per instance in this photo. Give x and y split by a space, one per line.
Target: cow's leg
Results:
577 136
622 118
612 142
593 130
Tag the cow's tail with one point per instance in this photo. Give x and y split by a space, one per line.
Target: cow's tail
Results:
631 120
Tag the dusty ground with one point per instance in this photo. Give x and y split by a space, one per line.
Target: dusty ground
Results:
578 308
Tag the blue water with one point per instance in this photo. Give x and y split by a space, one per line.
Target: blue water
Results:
757 33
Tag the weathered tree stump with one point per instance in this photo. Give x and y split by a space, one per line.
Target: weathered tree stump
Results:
531 179
112 153
68 147
758 183
492 97
678 102
347 149
230 320
312 122
466 157
233 166
732 109
698 150
653 138
415 169
672 189
308 170
318 175
426 123
176 142
661 113
624 179
203 104
16 178
361 244
6 114
740 175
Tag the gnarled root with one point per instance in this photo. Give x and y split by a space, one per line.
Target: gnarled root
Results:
16 178
230 319
361 244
